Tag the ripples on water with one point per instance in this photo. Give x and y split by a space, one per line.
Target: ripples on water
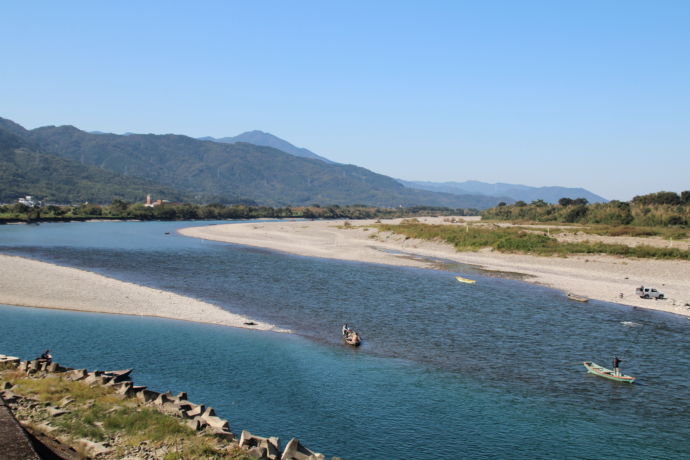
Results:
486 370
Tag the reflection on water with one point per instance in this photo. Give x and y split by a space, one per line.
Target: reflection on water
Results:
486 368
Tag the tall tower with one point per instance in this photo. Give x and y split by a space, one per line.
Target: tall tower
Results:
148 200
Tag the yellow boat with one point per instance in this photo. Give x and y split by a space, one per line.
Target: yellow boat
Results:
465 280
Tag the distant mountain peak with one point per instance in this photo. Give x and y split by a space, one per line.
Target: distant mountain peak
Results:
9 125
265 139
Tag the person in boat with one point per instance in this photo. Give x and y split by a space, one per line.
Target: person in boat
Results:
616 365
346 330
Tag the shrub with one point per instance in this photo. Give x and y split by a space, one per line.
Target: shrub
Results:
513 239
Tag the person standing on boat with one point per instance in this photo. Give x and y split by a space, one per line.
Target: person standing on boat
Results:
616 364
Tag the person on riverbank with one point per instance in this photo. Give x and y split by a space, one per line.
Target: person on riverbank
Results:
616 365
46 356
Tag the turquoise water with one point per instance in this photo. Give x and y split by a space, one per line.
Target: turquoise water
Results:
447 370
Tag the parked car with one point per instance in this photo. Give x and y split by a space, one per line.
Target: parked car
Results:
649 293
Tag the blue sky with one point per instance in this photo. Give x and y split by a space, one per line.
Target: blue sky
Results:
592 94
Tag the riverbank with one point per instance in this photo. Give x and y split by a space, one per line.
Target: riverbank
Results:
597 277
30 283
72 413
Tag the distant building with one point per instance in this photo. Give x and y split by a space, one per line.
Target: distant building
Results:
151 204
28 200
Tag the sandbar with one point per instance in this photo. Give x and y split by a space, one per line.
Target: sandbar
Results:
600 277
30 283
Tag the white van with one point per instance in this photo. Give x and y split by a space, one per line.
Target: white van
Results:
649 293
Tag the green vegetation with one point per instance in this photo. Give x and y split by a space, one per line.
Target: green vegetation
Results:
145 425
184 211
26 171
674 233
98 414
53 389
519 240
662 209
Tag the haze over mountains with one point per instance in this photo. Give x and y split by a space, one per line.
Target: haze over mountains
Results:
65 164
514 192
502 191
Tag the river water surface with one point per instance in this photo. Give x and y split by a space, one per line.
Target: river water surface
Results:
447 370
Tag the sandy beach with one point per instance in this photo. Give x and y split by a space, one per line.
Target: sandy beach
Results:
30 283
597 277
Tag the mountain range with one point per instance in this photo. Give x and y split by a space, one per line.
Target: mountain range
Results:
502 191
65 164
25 170
513 192
177 167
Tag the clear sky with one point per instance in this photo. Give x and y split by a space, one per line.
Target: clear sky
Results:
583 93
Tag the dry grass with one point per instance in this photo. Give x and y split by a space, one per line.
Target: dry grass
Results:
523 241
98 414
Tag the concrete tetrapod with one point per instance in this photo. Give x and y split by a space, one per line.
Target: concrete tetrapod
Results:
264 448
296 451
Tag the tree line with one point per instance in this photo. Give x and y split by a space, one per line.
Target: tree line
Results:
654 209
121 210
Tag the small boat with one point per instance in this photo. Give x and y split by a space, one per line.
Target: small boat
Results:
351 337
594 368
577 298
465 280
353 340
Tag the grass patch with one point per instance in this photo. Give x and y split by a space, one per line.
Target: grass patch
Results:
623 230
202 448
517 240
81 425
134 425
674 233
146 425
53 389
98 414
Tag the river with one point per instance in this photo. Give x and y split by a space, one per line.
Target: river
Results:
446 371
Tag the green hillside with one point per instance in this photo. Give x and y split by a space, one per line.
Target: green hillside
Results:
25 171
262 174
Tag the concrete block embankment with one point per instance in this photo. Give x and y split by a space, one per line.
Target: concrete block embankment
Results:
199 417
14 441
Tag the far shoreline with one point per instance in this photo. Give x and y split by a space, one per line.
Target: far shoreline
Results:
596 277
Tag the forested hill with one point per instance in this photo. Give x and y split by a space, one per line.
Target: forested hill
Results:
237 171
26 171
